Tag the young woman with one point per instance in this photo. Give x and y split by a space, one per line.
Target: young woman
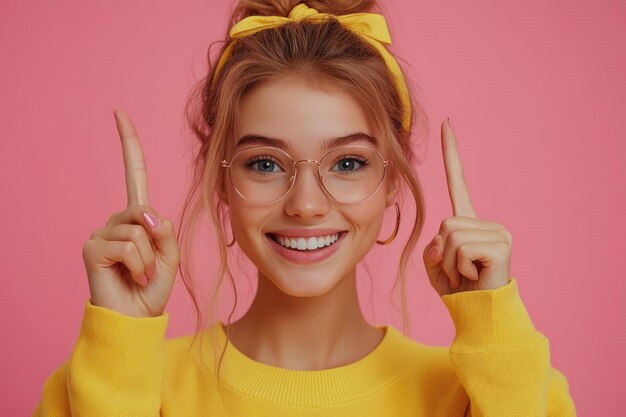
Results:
304 125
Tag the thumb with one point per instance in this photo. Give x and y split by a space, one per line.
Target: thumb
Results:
433 252
164 238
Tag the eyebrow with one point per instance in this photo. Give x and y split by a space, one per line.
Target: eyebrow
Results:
327 144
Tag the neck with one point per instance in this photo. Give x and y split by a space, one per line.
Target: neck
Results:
305 333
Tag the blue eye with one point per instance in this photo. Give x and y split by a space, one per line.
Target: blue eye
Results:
350 164
263 165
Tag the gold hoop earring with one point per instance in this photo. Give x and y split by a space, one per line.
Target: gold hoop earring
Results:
395 230
228 245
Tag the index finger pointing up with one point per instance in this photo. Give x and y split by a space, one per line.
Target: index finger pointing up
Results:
134 162
457 188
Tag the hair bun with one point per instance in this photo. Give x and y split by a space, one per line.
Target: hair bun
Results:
247 8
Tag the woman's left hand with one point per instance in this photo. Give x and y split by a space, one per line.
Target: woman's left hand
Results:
468 253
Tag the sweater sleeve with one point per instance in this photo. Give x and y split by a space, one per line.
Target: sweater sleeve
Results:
501 360
116 368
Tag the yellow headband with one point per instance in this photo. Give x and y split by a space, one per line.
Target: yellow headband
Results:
371 27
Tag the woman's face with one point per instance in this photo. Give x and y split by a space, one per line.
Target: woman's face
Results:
302 118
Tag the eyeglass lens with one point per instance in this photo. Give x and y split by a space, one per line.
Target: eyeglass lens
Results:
265 174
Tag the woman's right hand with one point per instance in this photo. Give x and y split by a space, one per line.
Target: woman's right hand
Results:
120 256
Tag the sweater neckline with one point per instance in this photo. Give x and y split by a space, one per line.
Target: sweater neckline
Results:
318 387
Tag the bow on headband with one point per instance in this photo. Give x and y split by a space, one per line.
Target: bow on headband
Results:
371 27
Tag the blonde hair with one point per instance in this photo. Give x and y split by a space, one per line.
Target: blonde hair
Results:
317 52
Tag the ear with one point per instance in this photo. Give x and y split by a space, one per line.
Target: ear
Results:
393 187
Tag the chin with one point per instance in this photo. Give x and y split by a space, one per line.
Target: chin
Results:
301 283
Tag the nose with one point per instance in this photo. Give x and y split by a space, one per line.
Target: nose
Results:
307 199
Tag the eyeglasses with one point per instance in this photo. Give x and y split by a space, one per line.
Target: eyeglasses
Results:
264 174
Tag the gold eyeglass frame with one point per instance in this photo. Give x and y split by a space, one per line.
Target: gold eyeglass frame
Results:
292 179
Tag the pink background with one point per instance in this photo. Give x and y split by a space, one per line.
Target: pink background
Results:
534 89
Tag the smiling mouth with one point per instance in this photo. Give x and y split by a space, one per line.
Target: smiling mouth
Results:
310 243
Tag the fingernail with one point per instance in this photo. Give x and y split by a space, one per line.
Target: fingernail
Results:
143 281
450 124
153 221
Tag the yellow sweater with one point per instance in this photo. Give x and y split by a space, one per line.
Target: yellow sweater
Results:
497 365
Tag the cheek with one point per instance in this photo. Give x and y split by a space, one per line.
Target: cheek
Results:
245 219
367 219
247 222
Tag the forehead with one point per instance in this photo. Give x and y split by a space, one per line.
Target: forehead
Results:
301 114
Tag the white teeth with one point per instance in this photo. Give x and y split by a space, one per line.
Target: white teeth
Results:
307 243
